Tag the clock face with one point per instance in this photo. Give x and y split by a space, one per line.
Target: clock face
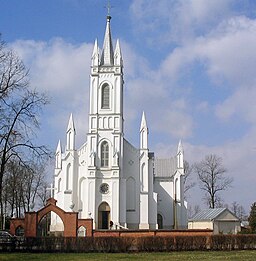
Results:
104 188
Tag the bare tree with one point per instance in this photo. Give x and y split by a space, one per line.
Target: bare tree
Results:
193 210
33 182
43 194
20 188
13 74
188 183
19 110
238 210
211 175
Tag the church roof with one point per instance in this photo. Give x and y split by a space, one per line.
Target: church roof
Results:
165 167
127 144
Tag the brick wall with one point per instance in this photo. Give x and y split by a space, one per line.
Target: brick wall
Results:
148 233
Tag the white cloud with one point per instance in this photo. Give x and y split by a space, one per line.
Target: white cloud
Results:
227 53
240 106
203 107
228 57
62 71
56 65
181 20
230 51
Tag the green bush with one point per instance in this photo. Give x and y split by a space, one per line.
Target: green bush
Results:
138 244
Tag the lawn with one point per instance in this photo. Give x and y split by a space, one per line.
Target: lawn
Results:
173 256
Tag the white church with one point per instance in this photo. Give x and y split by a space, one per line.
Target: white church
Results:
108 179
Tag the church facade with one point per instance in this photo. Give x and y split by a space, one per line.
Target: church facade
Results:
107 178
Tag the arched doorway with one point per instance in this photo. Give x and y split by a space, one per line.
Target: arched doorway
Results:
160 221
43 227
103 216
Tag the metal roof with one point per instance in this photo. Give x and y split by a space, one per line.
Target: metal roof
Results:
165 167
208 214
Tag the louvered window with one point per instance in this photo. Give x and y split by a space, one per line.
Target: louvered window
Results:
104 154
105 97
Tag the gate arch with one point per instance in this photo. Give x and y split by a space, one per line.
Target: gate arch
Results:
70 221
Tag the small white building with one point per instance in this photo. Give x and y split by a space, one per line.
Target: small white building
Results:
220 220
108 178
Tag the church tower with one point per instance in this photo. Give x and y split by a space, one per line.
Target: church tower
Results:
105 137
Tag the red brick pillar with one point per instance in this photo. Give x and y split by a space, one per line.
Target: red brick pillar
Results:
30 224
70 224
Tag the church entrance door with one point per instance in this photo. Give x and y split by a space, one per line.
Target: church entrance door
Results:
103 216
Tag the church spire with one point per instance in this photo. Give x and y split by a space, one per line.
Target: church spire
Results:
95 54
143 124
107 56
71 132
180 156
71 125
118 54
58 150
58 156
143 133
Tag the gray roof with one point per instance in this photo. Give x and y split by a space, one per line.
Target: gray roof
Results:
165 168
244 223
208 214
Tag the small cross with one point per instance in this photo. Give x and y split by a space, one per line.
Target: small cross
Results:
51 190
109 6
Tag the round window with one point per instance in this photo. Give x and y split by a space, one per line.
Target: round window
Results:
104 188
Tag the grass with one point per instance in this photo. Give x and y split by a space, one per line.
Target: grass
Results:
246 255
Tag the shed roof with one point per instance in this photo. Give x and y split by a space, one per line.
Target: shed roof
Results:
208 214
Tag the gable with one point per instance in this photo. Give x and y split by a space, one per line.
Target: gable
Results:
226 215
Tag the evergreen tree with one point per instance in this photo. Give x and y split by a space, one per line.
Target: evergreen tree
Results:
252 218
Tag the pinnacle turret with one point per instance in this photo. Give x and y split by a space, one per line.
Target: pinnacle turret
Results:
95 54
58 150
71 125
58 156
180 147
180 156
71 133
143 133
118 54
143 124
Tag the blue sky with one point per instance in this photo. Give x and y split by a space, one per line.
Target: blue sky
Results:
189 64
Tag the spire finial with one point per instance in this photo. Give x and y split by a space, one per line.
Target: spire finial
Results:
108 7
107 56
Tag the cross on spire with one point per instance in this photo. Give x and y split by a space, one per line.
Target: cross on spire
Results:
108 7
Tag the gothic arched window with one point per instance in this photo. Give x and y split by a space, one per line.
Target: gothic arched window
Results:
68 177
160 221
105 96
59 185
104 154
